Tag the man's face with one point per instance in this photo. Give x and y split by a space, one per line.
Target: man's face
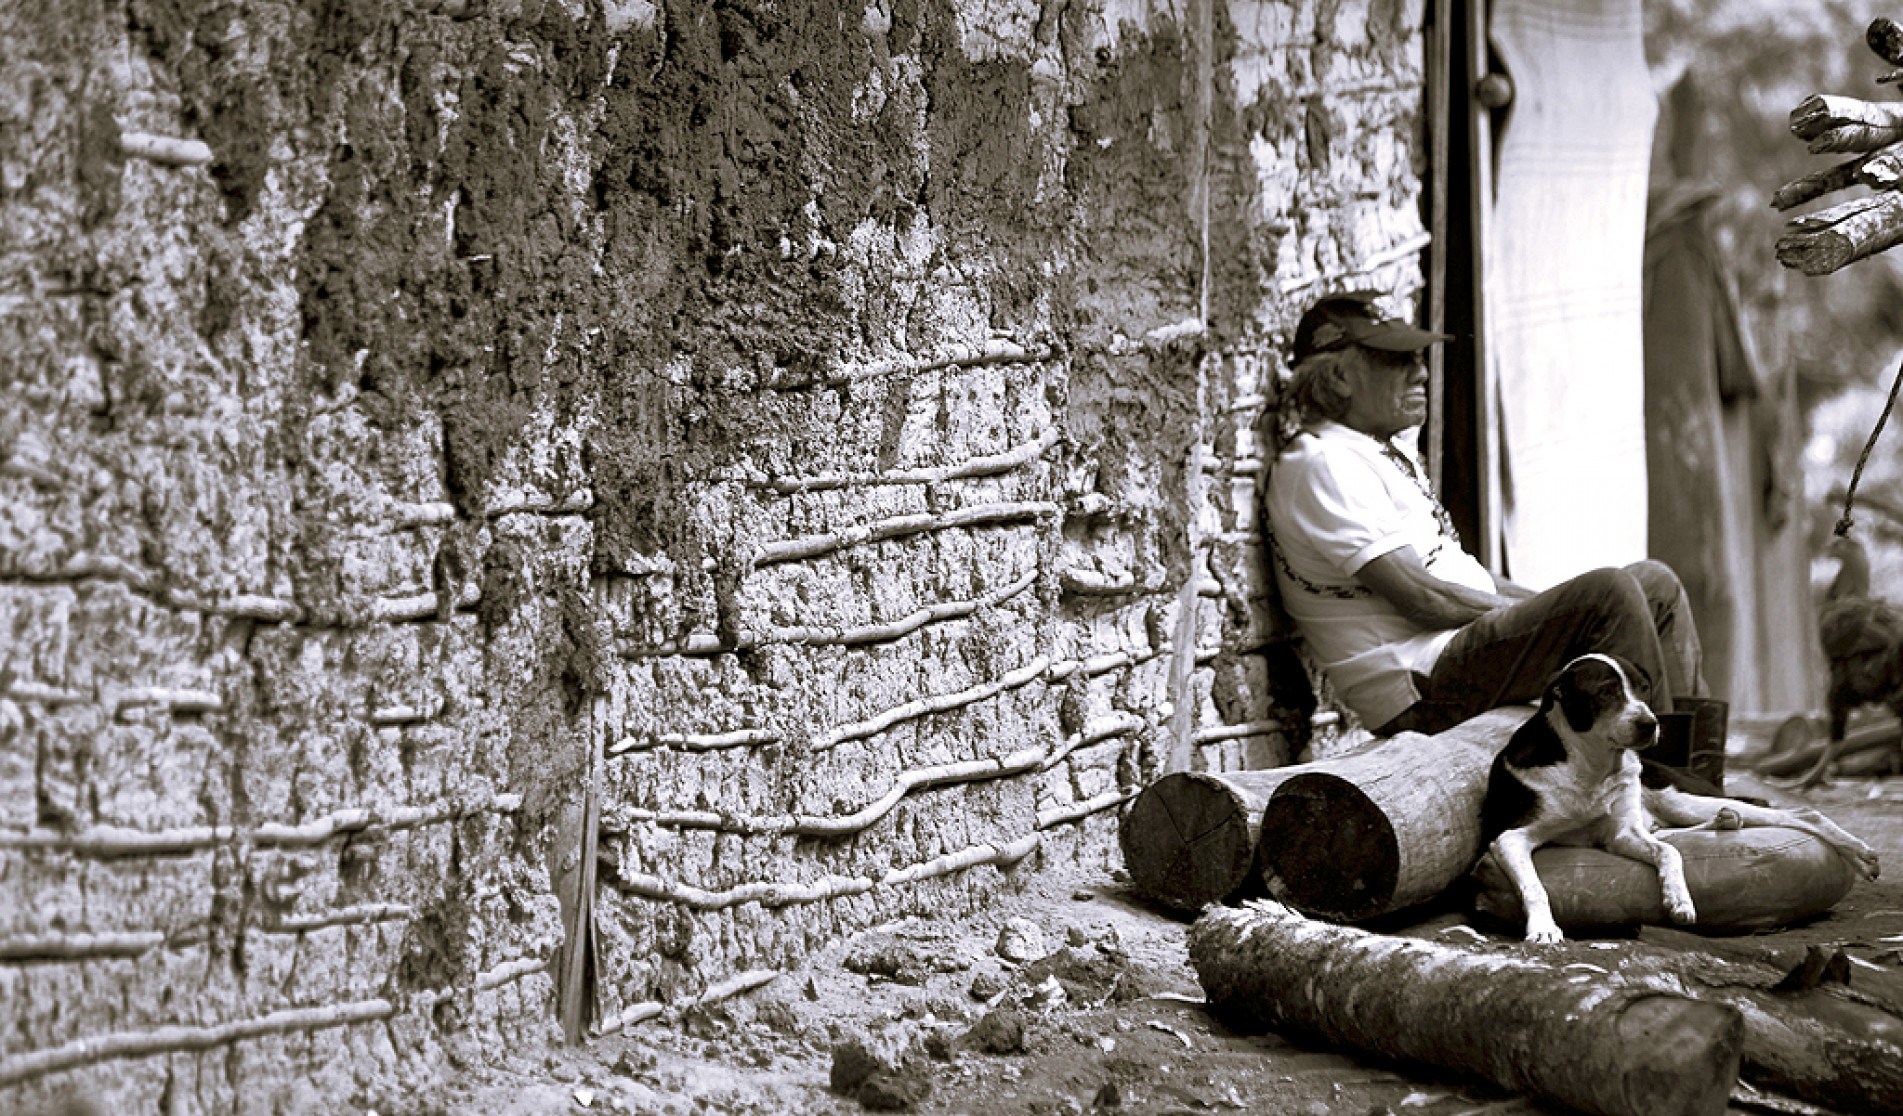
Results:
1388 392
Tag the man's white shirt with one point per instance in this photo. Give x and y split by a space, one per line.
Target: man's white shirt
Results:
1336 501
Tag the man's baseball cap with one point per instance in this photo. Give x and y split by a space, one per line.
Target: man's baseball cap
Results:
1339 321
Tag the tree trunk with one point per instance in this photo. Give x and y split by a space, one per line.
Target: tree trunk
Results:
1581 1040
1366 834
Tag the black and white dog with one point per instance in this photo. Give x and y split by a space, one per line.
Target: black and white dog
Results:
1571 775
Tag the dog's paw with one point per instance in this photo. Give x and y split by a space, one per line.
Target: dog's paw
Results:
1544 933
1865 860
1678 904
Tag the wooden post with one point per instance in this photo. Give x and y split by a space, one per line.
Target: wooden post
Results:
1384 829
1578 1038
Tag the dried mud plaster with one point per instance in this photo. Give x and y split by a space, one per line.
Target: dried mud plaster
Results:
820 439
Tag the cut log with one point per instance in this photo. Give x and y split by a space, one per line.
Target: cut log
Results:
1189 838
1575 1037
1384 829
1824 113
1827 240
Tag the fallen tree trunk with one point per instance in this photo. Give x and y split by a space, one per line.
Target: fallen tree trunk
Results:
1580 1039
1885 735
1367 834
1830 1044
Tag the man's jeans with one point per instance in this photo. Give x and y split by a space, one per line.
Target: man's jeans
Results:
1639 613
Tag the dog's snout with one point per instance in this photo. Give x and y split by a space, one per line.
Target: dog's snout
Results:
1645 730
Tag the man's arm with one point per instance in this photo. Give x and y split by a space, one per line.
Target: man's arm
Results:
1400 578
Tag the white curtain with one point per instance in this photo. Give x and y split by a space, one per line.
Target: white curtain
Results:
1563 285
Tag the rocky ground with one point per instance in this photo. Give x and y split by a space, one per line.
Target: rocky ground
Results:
1076 997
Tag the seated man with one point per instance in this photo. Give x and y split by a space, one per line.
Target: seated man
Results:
1413 632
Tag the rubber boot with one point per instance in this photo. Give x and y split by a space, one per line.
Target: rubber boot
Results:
1711 724
1691 742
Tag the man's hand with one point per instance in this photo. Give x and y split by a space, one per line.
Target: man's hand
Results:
1400 578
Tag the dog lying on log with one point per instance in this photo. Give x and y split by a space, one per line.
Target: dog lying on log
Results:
1571 775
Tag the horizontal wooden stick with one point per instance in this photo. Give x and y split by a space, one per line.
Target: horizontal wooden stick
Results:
1825 241
359 915
1818 183
1098 665
404 516
93 1049
573 504
165 150
39 693
992 351
170 698
117 841
1077 811
1409 247
736 985
937 703
860 636
509 972
806 825
79 947
411 606
1120 723
1213 734
831 887
1821 113
985 466
1093 583
978 515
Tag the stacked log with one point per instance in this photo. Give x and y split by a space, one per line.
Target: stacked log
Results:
1829 239
1351 837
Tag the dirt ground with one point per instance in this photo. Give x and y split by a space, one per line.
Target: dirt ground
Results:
1110 1019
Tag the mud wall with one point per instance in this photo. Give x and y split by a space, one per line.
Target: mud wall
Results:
797 460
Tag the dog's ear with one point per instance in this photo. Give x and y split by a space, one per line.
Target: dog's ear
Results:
1579 708
1636 676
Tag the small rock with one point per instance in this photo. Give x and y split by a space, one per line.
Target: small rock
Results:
895 1091
999 1032
1020 941
853 1065
986 985
1108 1097
1076 936
812 989
585 1096
1083 896
1048 994
938 1046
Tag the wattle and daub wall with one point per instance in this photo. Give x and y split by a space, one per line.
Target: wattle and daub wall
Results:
812 445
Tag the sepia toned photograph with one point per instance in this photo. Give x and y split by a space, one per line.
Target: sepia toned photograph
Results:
992 557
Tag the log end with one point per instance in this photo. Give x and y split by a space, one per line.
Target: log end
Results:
1326 849
1682 1055
1188 840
